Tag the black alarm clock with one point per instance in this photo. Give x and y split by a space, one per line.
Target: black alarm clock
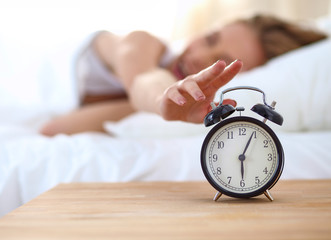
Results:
242 156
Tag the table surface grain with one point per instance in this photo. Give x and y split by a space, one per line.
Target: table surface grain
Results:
172 210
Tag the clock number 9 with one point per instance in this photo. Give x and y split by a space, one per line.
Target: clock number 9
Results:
215 158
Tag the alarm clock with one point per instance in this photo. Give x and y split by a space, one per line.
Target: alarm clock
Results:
242 156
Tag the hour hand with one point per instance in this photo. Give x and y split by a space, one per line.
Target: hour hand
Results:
242 158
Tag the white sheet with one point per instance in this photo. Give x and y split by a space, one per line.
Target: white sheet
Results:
32 164
145 148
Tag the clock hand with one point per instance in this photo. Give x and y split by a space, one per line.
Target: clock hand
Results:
242 156
242 169
249 141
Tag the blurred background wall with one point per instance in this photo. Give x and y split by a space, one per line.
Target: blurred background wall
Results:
203 13
38 37
166 18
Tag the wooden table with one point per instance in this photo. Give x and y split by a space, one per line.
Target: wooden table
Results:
171 210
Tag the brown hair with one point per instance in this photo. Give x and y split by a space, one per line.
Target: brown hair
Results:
278 36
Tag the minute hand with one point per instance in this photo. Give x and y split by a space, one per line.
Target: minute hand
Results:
242 156
249 141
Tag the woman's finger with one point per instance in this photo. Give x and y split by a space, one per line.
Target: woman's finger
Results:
225 101
229 73
193 89
174 95
207 75
230 101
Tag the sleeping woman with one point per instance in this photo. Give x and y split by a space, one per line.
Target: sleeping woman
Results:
138 72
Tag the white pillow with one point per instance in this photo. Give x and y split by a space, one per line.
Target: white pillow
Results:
300 83
148 125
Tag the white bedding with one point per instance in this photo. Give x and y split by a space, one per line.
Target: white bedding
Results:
32 164
143 147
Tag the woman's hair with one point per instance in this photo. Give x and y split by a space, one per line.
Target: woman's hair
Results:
278 36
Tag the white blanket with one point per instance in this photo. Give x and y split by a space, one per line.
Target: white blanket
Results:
145 147
32 164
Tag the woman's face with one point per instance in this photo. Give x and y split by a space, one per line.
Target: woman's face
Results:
233 41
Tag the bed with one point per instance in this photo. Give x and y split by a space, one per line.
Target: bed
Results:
144 147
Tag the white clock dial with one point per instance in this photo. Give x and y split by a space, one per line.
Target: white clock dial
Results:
241 157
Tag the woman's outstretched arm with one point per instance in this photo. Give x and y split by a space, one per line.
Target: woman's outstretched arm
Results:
151 88
186 100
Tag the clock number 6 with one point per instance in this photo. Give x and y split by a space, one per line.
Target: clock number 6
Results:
242 183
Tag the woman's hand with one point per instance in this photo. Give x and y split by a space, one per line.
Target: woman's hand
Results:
189 99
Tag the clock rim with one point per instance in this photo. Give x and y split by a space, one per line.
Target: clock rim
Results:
279 149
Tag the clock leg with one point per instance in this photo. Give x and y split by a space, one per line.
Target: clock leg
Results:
217 196
268 195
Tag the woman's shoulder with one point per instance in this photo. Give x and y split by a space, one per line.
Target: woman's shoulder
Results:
144 38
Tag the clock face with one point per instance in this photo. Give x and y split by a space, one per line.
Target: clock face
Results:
242 157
